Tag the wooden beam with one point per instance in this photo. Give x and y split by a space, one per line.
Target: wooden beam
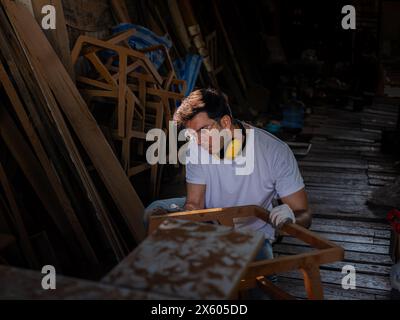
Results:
46 163
18 222
215 214
76 110
25 120
58 37
30 166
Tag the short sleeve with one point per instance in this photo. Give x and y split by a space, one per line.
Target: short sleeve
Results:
288 179
195 173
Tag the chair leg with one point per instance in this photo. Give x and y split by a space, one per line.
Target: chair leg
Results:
312 283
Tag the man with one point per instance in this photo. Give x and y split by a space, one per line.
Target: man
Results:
275 173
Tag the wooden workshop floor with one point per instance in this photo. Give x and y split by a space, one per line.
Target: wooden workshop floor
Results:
344 166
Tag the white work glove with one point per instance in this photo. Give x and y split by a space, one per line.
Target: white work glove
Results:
280 215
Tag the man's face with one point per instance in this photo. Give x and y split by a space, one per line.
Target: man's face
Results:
208 131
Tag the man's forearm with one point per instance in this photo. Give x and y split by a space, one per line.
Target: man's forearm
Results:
303 218
189 206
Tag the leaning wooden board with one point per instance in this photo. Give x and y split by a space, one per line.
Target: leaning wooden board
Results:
188 259
27 284
45 62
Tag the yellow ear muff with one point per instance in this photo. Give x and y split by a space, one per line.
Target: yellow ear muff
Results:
233 149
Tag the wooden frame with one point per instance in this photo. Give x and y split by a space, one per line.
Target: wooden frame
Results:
129 78
326 251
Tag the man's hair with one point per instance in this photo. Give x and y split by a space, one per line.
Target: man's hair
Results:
213 102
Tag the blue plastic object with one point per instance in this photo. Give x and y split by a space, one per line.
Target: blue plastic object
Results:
144 38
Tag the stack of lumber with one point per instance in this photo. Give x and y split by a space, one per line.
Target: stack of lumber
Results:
64 195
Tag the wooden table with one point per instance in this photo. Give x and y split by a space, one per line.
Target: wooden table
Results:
189 260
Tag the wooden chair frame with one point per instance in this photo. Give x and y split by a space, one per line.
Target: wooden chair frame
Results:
326 251
136 86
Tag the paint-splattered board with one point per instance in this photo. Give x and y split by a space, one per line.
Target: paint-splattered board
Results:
188 259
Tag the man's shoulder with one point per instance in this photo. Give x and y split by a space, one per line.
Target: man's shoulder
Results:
267 141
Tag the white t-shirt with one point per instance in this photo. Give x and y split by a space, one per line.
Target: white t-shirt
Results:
275 174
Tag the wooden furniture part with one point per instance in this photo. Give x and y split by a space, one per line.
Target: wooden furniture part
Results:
24 284
308 263
45 62
128 80
188 259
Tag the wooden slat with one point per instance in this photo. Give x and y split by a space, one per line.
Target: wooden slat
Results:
362 280
58 37
350 256
17 220
331 291
45 161
348 246
80 118
25 284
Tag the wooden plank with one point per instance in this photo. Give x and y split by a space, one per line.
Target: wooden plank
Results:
30 167
54 112
137 169
195 261
58 37
82 171
373 269
45 161
335 277
122 91
351 256
345 223
25 284
347 230
353 238
17 220
331 291
80 118
348 246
